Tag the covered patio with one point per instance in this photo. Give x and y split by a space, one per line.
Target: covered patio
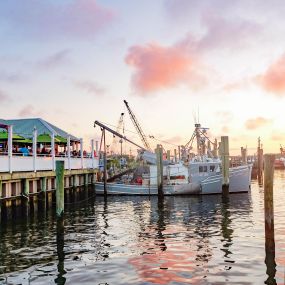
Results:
34 144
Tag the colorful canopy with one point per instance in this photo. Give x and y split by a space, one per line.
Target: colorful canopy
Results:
4 136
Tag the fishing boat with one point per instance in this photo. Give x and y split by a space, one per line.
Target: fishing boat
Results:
194 174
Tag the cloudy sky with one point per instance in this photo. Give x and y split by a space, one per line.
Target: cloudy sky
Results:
74 61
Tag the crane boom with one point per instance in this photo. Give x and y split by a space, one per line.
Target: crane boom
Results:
138 127
116 134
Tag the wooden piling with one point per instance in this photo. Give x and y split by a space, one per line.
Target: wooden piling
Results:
0 200
59 188
269 217
224 150
243 155
159 164
43 194
175 156
215 150
168 155
268 191
179 153
259 159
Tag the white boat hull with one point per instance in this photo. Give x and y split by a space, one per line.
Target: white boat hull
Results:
239 182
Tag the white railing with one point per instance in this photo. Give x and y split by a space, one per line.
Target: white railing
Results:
39 163
13 162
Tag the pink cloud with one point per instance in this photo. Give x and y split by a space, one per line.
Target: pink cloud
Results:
90 87
278 137
29 111
252 124
54 60
273 80
157 67
68 19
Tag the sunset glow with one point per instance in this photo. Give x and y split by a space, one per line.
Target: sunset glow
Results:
72 62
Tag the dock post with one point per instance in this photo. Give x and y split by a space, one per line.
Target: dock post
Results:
159 170
25 198
59 188
168 155
43 193
269 217
175 156
259 159
224 150
243 155
179 153
86 179
215 149
0 200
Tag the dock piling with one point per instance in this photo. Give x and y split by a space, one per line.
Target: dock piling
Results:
224 151
159 164
59 188
269 217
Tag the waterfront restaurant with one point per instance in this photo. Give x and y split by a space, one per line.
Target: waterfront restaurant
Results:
35 144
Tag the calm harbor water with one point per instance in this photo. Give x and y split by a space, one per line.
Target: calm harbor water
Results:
141 240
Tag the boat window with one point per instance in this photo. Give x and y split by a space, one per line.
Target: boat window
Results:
203 168
212 168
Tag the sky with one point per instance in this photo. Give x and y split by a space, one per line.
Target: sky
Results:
176 62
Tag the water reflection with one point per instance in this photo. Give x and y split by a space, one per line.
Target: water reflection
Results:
60 251
142 240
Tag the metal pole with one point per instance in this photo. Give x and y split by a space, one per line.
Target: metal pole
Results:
35 135
81 152
53 151
105 164
10 147
92 153
68 152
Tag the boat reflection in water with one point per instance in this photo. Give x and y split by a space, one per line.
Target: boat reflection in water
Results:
181 245
206 239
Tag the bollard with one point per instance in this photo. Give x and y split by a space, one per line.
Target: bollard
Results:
59 188
224 150
269 218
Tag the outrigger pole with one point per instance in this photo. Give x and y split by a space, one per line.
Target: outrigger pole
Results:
116 134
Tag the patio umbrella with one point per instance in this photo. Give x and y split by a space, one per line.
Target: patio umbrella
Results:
46 138
61 139
27 141
4 136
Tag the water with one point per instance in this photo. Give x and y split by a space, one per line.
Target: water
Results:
140 240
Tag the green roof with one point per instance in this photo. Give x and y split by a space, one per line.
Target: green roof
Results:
25 127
